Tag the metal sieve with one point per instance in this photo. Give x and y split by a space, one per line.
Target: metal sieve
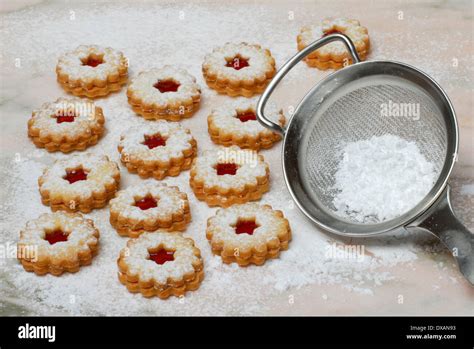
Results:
346 107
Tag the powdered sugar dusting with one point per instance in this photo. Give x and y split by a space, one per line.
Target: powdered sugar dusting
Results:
259 62
381 178
136 257
225 119
178 140
350 27
100 173
250 167
72 63
169 201
81 234
142 88
44 119
270 226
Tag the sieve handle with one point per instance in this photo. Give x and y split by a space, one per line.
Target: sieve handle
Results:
441 221
290 64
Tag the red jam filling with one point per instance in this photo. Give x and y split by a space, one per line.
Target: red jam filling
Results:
245 227
75 175
93 62
146 203
237 63
154 141
247 116
167 86
65 118
162 256
226 168
332 31
55 236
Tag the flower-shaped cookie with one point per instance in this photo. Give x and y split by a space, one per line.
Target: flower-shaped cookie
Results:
66 125
167 93
92 71
157 149
239 69
228 176
57 242
149 206
248 234
235 123
160 264
334 55
80 182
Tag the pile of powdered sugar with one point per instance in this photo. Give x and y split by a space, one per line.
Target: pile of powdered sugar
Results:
152 35
381 178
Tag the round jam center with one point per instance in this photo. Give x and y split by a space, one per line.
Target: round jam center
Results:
154 141
146 203
226 168
75 175
237 63
245 227
166 86
55 236
93 62
246 116
65 118
162 256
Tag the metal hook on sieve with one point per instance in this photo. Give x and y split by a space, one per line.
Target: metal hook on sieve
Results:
290 64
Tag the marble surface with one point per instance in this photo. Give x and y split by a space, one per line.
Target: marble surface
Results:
435 36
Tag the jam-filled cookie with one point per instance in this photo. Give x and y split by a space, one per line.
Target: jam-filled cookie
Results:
235 123
167 93
57 242
228 176
239 69
160 264
92 71
80 182
334 55
157 149
149 206
248 234
66 125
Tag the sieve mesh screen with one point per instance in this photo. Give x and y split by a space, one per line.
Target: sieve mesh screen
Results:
360 112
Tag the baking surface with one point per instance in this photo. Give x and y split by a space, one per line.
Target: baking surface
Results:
393 274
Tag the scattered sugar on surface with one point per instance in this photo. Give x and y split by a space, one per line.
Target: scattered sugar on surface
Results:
467 189
132 28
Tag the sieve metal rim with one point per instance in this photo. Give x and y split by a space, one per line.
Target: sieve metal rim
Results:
408 217
353 72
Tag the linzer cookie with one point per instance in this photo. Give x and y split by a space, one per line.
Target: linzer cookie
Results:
228 176
248 234
235 123
80 182
167 93
92 71
239 69
66 125
57 242
334 55
157 149
160 264
149 206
